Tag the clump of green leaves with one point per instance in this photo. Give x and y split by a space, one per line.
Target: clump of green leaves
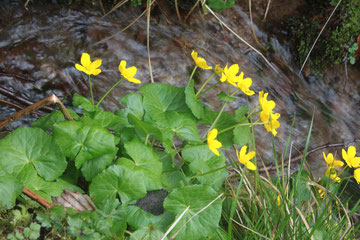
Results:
352 51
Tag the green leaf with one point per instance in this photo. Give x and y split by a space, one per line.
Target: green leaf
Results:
206 163
183 125
148 233
45 189
84 103
146 161
218 5
196 197
192 102
117 180
138 218
160 98
171 176
10 188
223 96
302 192
134 104
105 120
144 129
92 148
242 134
27 151
46 122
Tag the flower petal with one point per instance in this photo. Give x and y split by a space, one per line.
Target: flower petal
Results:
95 71
243 152
212 134
250 166
134 80
85 59
79 67
351 151
95 64
357 175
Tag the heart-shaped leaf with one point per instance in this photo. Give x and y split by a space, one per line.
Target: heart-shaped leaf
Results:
196 197
192 102
10 188
30 151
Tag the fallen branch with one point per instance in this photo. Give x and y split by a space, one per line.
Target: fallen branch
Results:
36 197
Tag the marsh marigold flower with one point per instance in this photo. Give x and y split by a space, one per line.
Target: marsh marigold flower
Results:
321 193
200 62
212 142
331 162
245 158
218 69
229 74
128 73
267 116
357 175
331 173
245 84
350 158
88 67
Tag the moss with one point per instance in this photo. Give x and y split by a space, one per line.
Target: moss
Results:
339 35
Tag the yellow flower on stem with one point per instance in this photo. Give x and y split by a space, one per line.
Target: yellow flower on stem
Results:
266 105
321 192
212 142
245 158
200 62
350 158
272 125
128 73
88 67
331 162
331 173
357 175
245 84
229 74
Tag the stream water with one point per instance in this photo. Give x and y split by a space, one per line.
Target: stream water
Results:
40 46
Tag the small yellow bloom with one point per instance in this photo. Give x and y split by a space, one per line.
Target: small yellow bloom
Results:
266 105
278 201
128 73
267 116
321 192
200 62
245 158
350 158
331 162
88 67
357 175
245 84
331 173
273 125
229 74
212 142
218 69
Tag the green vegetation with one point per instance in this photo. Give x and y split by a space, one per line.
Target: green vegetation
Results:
335 44
153 144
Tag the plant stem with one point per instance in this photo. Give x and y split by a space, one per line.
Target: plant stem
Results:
91 93
193 72
214 85
107 93
206 82
233 205
239 125
216 119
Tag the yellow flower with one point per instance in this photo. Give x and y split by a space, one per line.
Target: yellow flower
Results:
245 84
267 113
212 142
229 74
200 62
278 201
331 162
273 125
266 105
350 158
218 69
245 158
357 175
331 173
88 67
128 73
321 192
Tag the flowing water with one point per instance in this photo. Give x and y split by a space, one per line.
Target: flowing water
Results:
40 46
